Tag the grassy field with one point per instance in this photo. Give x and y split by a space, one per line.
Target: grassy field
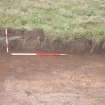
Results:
71 18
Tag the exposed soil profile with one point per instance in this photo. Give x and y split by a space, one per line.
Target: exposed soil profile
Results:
35 40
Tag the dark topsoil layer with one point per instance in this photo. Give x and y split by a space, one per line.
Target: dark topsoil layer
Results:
36 40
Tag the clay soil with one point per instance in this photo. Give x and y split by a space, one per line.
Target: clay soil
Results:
40 80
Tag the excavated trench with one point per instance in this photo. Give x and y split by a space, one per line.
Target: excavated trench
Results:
23 40
44 80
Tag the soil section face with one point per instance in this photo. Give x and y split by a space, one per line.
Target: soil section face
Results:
23 40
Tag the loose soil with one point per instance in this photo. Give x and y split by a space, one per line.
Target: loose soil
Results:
41 80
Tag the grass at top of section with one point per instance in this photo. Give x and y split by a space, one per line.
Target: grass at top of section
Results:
59 18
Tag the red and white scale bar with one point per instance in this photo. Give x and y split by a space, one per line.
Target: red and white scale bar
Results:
7 42
27 54
40 54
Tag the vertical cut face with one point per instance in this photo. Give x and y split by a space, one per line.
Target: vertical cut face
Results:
22 40
2 41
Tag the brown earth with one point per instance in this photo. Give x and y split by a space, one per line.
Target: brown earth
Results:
64 80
